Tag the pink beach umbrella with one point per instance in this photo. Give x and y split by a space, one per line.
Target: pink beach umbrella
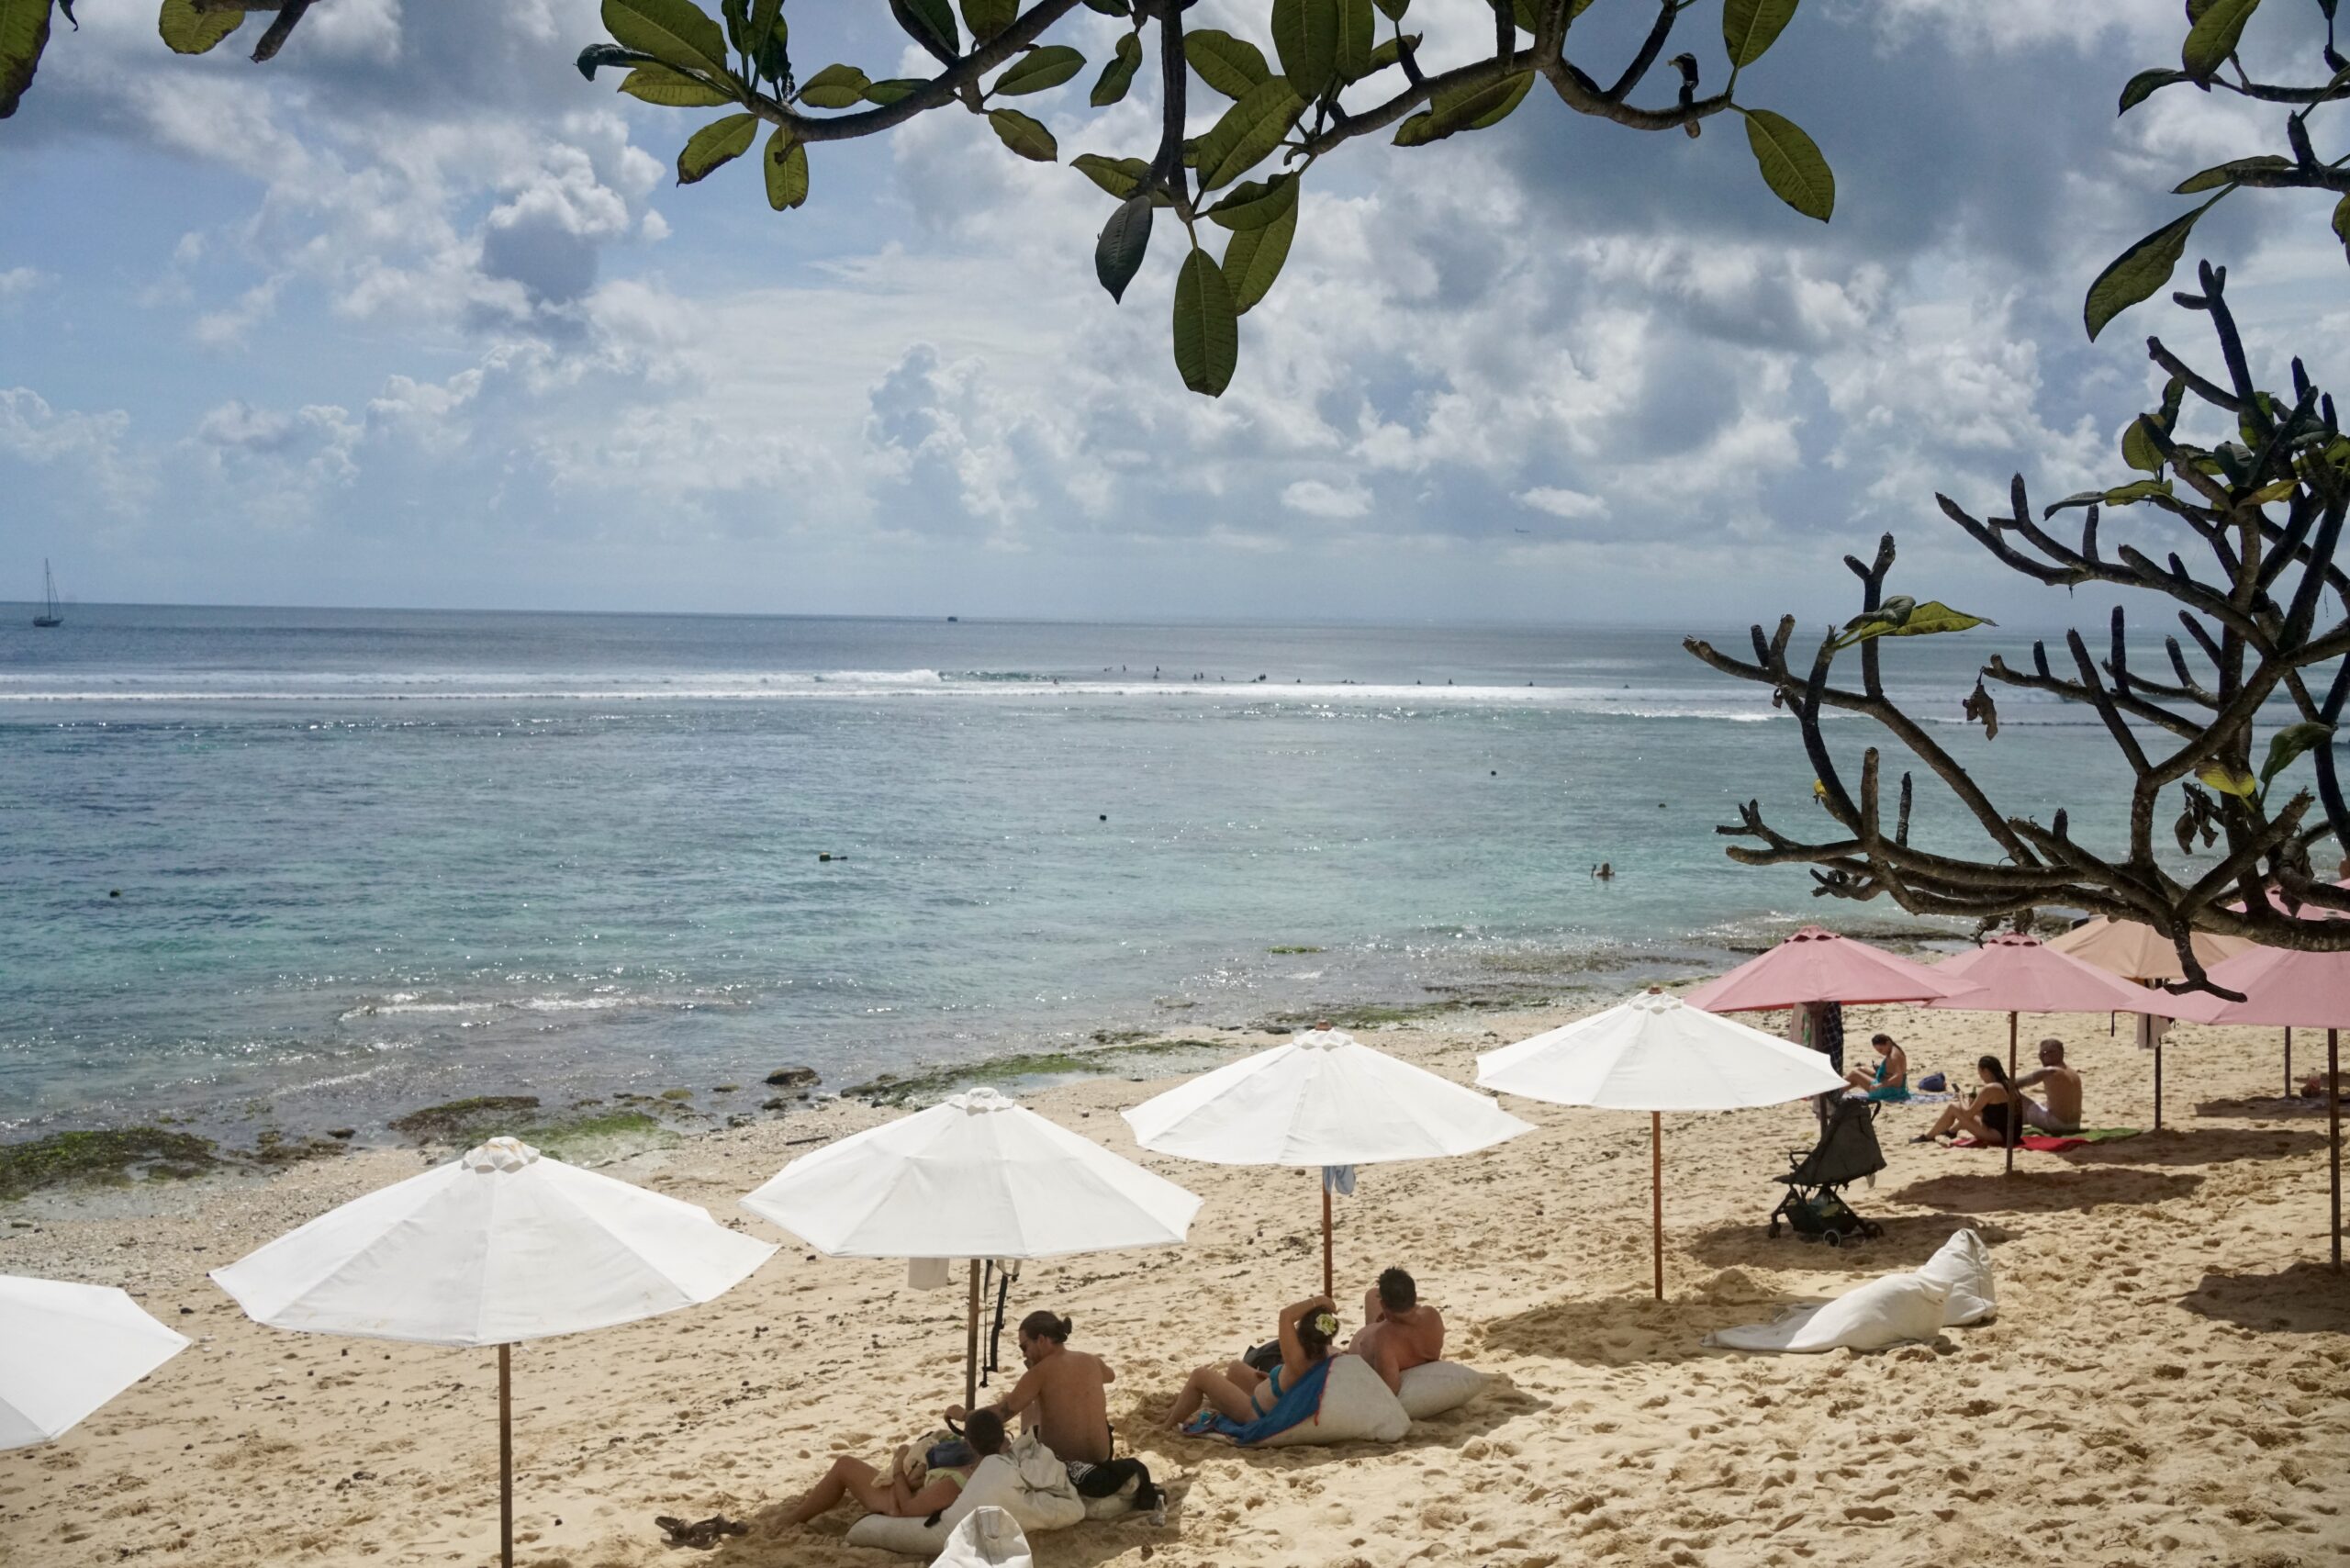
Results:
1816 965
2014 974
2308 990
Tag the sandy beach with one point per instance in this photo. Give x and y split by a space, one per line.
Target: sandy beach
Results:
2165 1382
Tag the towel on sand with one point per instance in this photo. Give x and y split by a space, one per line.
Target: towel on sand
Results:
2046 1143
1300 1401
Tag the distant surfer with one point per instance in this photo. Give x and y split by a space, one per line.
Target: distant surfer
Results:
1604 871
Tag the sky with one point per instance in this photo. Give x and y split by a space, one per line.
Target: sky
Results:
414 315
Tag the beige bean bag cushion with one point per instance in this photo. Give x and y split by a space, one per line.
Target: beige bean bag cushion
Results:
1356 1407
1438 1386
1034 1490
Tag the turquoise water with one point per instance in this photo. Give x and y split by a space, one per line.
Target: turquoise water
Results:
372 860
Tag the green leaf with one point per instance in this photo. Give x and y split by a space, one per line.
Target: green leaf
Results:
1253 259
1119 73
2276 490
1391 51
2228 174
672 88
894 89
2174 394
1120 176
2138 448
190 32
676 31
1357 40
1393 9
2135 491
2227 780
936 18
988 17
835 87
2145 84
1024 136
2289 743
2138 271
1228 64
1118 253
774 59
1791 163
720 141
738 22
2342 223
1904 617
1248 130
2213 37
1750 27
1252 203
767 16
1464 108
1040 69
1305 36
1207 328
787 172
24 33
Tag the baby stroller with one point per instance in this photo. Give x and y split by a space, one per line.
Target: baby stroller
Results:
1847 1151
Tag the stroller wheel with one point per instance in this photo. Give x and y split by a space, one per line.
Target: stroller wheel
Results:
1871 1229
1774 1230
1833 1238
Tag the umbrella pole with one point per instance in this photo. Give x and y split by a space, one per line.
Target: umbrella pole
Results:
1329 1280
2159 1076
1656 1197
971 1348
2015 1099
2334 1133
2289 1061
505 1455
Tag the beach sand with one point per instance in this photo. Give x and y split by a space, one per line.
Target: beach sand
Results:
2165 1381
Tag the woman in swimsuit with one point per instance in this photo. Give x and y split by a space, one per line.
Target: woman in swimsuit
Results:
1890 1080
1986 1117
1238 1392
889 1493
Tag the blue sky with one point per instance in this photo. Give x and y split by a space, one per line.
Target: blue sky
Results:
414 315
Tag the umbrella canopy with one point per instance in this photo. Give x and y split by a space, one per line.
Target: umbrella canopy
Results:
2137 951
1322 1099
67 1348
977 1176
1657 1052
1816 965
2014 973
494 1247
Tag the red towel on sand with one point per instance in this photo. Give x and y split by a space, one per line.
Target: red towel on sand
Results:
2040 1142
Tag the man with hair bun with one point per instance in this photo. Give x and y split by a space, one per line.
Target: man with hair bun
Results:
1398 1333
1060 1397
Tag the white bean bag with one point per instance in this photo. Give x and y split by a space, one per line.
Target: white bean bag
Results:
1963 1265
1035 1491
1435 1387
1897 1309
1356 1407
988 1538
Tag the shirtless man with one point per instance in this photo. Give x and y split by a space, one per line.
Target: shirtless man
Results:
1060 1397
1398 1333
2062 1085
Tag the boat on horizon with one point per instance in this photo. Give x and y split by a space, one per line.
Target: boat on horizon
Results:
47 616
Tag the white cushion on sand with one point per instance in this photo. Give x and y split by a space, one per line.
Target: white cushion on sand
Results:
1963 1265
995 1483
1438 1386
1356 1407
1891 1311
988 1538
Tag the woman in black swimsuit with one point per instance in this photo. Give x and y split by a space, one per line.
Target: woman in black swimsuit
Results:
1987 1116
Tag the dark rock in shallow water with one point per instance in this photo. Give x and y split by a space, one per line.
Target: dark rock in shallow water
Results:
343 1133
466 1121
790 1077
112 1156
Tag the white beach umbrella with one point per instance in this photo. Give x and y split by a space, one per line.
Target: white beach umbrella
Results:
500 1246
1323 1099
67 1348
1656 1053
975 1176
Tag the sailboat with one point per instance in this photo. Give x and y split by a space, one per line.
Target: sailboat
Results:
47 616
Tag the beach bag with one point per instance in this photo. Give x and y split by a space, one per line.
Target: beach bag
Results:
1435 1387
1265 1358
1932 1083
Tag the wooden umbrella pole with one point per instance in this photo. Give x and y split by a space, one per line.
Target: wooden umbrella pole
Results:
1329 1280
1656 1197
971 1348
505 1455
2015 1099
2334 1133
2289 1062
2158 1074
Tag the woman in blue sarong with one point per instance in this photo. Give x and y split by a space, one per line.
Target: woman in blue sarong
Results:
1245 1397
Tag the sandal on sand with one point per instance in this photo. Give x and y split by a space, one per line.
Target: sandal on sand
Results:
704 1533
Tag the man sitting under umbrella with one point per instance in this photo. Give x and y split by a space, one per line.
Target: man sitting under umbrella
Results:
1398 1333
1060 1394
2062 1085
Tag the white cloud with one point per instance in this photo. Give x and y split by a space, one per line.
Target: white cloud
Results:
1561 502
1316 499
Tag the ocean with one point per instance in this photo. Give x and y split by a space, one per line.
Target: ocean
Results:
309 868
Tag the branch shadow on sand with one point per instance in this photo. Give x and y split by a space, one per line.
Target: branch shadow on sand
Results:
2045 1192
1909 1240
2305 1298
2198 1145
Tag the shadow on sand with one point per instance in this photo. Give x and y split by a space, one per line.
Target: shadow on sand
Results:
2043 1191
2307 1298
2199 1146
1909 1240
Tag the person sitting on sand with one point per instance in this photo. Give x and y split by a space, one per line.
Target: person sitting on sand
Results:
890 1493
1397 1332
1060 1395
1890 1079
1238 1392
1984 1118
2063 1112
